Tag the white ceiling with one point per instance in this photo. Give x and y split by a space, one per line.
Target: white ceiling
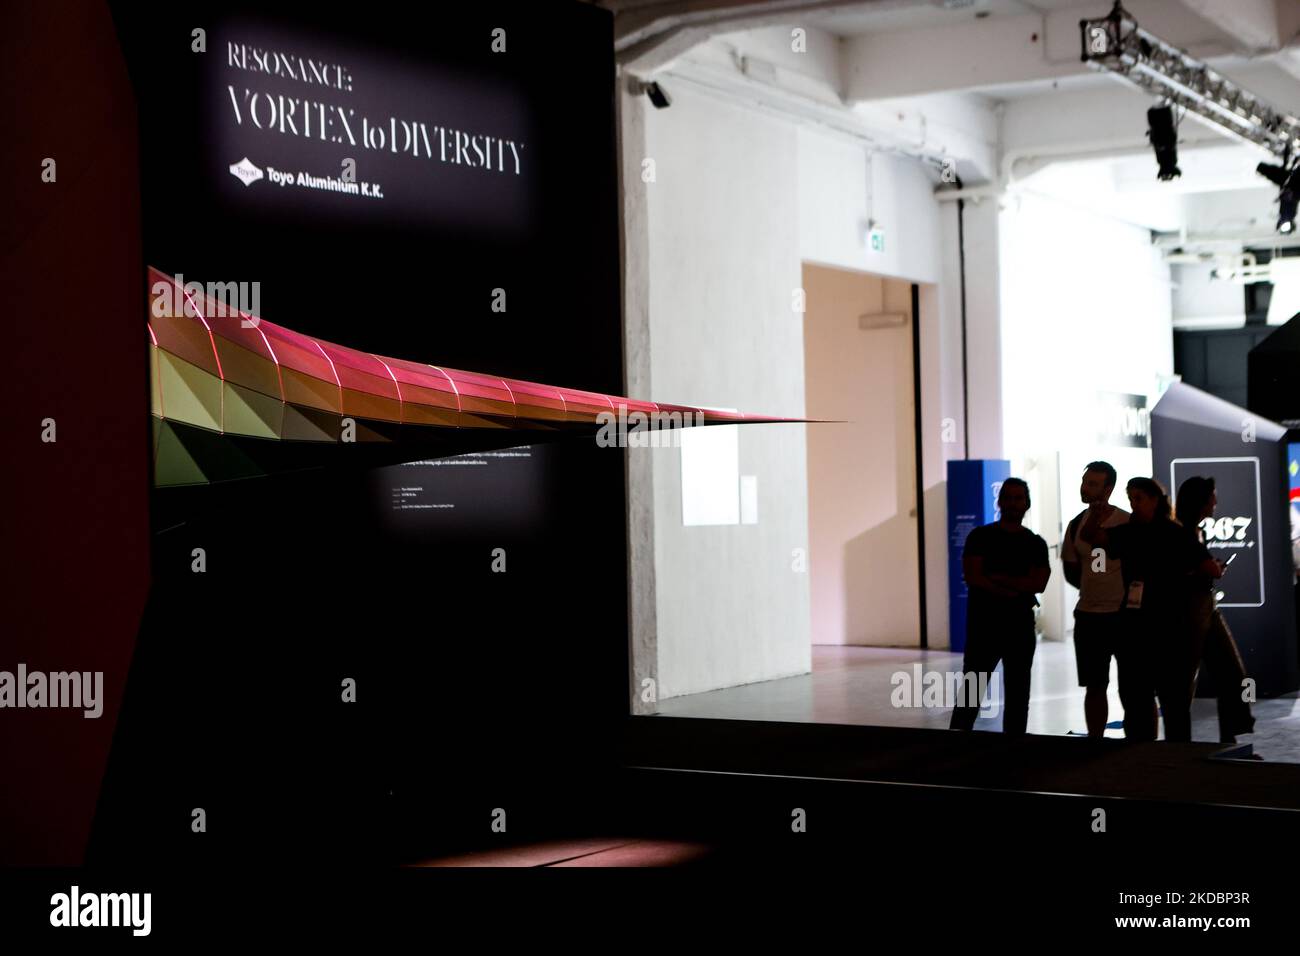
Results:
896 16
1218 190
869 17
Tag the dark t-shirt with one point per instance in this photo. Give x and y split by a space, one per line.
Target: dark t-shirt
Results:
1015 553
1164 556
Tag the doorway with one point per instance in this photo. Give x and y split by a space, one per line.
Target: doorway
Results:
863 554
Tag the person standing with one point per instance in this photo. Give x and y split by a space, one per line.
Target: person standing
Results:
1215 648
1101 594
1157 655
1005 566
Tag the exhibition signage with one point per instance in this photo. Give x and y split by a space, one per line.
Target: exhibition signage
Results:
1123 420
338 128
1233 534
973 487
1194 433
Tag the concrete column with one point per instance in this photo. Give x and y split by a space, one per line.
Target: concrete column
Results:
635 262
979 415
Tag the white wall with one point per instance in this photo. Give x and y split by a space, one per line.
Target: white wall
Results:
840 189
724 264
741 200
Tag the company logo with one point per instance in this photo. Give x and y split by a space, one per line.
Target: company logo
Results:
245 172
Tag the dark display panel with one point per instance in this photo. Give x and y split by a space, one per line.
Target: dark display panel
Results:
1234 535
1194 433
439 588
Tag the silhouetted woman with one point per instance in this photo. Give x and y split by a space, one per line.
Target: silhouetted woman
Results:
1216 650
1157 656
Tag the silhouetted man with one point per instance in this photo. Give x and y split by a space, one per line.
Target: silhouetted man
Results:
1005 566
1101 594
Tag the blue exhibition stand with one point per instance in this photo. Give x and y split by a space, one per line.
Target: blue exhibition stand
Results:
973 487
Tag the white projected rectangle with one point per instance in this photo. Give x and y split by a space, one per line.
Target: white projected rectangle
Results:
711 475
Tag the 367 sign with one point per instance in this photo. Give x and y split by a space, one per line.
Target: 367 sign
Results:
1226 529
1233 535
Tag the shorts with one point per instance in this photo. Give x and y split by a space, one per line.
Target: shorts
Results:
1097 637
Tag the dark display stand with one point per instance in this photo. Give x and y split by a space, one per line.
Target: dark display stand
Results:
1193 433
477 684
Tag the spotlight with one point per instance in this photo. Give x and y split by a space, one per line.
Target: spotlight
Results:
1164 140
1286 210
1277 175
658 96
1288 197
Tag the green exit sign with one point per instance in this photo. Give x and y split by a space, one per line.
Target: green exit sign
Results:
877 238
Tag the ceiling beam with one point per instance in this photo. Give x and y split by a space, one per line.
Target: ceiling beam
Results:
1252 23
1260 26
648 34
969 53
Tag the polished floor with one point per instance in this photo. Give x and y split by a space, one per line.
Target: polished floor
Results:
858 685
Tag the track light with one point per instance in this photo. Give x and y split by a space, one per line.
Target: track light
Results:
1288 197
1164 140
1277 175
1117 44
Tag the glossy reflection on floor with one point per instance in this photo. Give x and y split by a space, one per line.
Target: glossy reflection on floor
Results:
855 685
594 852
